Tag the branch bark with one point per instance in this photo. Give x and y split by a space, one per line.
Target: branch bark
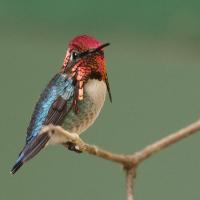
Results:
130 175
129 162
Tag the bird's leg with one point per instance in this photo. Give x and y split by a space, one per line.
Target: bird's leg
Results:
72 147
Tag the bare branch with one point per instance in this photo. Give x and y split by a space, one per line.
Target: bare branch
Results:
165 142
130 175
125 160
129 162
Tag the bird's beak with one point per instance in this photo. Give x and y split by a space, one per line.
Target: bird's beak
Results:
92 51
99 48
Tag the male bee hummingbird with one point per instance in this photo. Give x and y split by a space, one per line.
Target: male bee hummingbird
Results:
72 99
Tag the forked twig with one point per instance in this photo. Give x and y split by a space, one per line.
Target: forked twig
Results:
129 162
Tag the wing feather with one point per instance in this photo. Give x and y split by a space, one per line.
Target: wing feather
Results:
52 106
56 112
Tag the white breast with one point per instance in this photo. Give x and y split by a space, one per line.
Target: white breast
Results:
97 91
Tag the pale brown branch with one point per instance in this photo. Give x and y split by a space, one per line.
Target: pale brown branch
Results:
130 175
125 160
165 142
129 162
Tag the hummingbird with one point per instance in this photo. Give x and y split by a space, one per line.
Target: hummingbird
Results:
72 99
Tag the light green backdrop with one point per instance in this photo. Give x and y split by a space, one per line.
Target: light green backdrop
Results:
154 69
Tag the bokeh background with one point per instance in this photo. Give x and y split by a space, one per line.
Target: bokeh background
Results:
154 69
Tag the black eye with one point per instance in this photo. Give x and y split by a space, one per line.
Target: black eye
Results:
73 55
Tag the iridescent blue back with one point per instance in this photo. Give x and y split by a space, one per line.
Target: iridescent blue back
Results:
60 85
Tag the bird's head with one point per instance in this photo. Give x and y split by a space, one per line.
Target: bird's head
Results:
85 60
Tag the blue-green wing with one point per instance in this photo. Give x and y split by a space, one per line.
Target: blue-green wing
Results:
50 109
52 106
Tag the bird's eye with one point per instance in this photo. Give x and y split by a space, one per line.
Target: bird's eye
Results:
73 55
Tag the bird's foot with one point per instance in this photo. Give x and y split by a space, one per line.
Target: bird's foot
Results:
72 147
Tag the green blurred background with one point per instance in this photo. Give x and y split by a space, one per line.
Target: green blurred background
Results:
154 68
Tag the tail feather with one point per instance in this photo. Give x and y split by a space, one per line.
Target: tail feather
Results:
30 150
16 167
